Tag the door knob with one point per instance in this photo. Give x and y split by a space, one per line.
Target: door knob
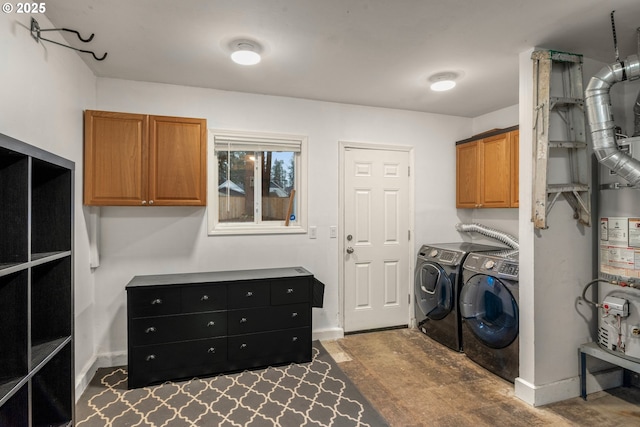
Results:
349 250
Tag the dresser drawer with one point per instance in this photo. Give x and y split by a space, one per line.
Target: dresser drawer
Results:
249 320
156 330
154 301
269 347
248 294
154 363
290 291
205 297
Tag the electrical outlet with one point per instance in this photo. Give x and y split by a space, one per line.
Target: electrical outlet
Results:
333 232
313 232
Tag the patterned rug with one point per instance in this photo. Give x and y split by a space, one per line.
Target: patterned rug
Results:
313 394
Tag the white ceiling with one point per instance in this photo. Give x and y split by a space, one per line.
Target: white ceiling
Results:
366 52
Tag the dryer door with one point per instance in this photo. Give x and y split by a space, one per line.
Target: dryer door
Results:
434 291
489 309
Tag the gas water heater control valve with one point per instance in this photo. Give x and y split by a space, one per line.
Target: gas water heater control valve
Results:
616 306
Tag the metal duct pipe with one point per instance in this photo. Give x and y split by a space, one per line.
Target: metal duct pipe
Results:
598 106
498 235
636 115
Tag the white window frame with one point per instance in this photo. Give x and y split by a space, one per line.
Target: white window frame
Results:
299 225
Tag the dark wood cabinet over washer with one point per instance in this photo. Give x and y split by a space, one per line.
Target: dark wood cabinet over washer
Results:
198 324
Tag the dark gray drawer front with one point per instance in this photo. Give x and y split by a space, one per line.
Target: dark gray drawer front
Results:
154 301
203 298
247 294
156 330
290 291
269 344
251 320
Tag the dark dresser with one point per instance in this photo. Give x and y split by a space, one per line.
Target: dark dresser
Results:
197 324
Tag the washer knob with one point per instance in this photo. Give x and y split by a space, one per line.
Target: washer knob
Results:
489 264
433 253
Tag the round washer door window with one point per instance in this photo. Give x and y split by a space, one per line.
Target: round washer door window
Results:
434 291
489 309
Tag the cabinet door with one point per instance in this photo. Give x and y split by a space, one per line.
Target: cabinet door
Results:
515 168
115 158
177 161
495 171
467 183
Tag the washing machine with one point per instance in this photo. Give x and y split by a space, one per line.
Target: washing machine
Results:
437 287
489 311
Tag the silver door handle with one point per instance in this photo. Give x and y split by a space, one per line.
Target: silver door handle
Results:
349 250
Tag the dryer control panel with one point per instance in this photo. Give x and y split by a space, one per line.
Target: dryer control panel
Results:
503 265
440 255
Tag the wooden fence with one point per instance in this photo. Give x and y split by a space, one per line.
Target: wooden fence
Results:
232 209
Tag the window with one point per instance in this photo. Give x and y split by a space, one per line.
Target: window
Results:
257 184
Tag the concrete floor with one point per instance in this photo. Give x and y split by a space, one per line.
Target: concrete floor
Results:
414 381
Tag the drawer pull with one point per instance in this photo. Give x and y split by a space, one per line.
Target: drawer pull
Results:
204 298
211 350
243 320
243 346
150 357
211 323
294 314
294 339
290 290
150 330
156 301
249 294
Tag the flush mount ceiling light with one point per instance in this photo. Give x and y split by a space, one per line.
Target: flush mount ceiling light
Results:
443 81
245 52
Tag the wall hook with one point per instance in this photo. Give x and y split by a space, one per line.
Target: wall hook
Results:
36 30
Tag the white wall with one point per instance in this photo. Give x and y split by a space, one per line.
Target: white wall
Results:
162 240
43 92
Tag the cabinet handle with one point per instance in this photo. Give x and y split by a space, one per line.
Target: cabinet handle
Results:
290 290
144 202
294 339
156 301
294 314
150 202
204 298
249 294
211 323
211 350
243 320
150 357
150 330
243 346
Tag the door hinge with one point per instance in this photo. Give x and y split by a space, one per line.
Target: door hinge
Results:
409 234
408 298
408 170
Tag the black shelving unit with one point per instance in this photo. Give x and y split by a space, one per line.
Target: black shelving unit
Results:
36 286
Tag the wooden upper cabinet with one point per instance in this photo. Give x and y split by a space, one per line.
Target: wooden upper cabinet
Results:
485 173
140 160
467 180
515 168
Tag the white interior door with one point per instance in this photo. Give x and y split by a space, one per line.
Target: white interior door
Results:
376 232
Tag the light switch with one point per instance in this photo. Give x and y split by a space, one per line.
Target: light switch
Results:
313 232
333 232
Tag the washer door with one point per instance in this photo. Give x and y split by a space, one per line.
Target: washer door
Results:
434 291
489 309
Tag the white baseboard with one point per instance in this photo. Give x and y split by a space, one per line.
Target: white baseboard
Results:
566 389
327 334
107 360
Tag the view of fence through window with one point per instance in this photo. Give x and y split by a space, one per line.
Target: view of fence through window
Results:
251 182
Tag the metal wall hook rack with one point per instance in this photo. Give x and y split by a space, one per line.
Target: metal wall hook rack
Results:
36 30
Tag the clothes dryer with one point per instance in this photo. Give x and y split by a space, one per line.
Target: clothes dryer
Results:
490 313
437 287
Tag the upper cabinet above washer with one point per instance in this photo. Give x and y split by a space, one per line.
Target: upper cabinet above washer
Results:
487 170
142 160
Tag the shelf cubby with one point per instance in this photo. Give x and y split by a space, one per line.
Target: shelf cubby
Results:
51 401
14 203
50 296
13 329
50 208
15 412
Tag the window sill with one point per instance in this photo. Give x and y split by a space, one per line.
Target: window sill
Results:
256 229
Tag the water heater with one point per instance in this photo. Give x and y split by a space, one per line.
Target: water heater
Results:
619 259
